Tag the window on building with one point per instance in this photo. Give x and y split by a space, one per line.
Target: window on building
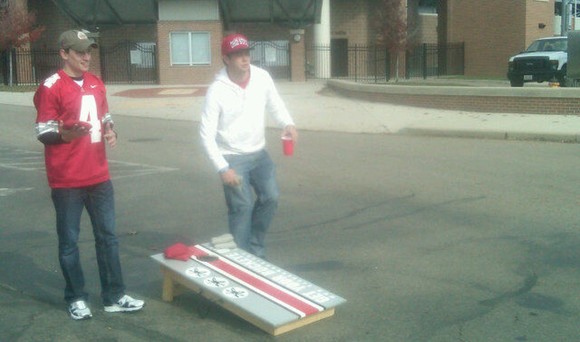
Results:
428 6
573 8
190 48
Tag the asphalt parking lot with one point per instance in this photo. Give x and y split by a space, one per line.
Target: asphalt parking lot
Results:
428 239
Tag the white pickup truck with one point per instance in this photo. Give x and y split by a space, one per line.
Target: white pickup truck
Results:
545 59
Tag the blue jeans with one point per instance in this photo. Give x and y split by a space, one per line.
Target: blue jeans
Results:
251 206
100 204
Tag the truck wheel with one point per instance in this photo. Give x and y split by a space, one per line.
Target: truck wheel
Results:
517 83
563 79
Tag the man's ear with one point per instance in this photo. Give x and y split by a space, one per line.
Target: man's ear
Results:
63 54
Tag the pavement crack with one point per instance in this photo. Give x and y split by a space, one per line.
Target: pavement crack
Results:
8 287
352 213
414 211
529 282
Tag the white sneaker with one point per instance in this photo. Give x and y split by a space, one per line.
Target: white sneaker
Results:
125 304
79 310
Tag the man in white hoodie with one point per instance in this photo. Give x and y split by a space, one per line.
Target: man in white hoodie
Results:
232 130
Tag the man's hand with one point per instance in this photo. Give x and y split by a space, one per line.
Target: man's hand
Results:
230 178
290 132
74 132
110 135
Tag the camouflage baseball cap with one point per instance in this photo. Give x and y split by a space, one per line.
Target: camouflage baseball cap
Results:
76 40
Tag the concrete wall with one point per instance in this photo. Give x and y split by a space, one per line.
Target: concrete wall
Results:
473 99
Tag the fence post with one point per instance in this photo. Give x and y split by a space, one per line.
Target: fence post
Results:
11 56
355 62
463 58
441 59
407 64
129 46
375 63
155 63
424 61
387 65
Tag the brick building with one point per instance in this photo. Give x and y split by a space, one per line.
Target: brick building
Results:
494 30
184 35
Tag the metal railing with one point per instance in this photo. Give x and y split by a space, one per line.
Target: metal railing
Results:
357 62
129 62
374 64
30 67
430 60
125 63
360 63
273 56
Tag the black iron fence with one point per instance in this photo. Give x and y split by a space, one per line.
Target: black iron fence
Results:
137 63
429 60
29 67
374 64
357 62
129 62
273 56
124 63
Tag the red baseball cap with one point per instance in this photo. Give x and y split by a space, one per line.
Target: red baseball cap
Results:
179 251
234 42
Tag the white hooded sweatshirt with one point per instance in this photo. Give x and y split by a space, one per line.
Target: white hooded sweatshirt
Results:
233 119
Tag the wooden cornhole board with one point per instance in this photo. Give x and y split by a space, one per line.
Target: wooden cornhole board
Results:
265 295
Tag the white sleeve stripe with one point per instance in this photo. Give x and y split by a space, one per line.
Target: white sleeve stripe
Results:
46 127
107 118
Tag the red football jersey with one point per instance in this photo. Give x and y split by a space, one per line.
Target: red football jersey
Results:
83 161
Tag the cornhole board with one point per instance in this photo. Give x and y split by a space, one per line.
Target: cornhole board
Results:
265 295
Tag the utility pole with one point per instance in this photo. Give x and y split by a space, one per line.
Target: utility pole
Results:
565 12
574 15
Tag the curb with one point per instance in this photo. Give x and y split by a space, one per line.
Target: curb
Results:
492 135
546 101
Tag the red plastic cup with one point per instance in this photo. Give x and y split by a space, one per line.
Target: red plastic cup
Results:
288 146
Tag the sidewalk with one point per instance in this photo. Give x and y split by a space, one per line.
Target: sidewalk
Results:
315 107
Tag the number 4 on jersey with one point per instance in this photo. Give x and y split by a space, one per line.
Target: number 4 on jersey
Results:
89 114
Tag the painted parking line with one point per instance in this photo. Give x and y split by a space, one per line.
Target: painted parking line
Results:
121 169
25 160
21 160
5 192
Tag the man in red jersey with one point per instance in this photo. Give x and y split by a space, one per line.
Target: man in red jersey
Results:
73 122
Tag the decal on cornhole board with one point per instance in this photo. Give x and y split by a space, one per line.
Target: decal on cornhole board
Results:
265 295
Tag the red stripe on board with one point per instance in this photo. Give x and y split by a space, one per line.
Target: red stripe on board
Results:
259 284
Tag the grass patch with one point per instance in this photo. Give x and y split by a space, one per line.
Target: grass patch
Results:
18 88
